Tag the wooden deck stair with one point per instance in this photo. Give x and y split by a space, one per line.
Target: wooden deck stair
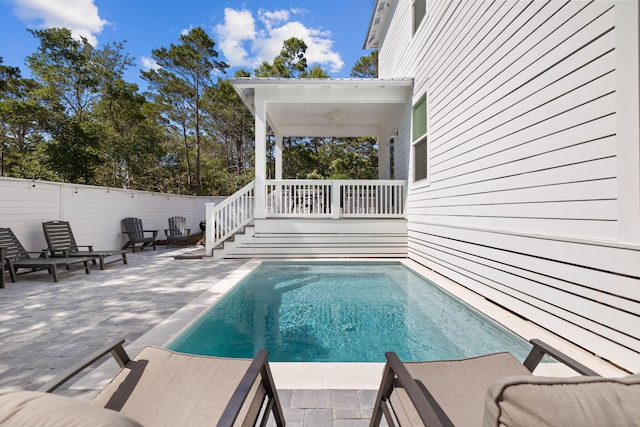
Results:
218 251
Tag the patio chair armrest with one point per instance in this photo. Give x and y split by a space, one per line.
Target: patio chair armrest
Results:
188 230
259 366
64 252
155 232
3 255
43 253
541 348
116 350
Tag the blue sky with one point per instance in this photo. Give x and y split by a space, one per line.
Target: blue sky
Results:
246 33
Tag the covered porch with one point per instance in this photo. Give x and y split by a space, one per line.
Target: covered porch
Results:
317 108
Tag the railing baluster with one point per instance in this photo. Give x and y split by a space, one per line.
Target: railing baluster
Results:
308 198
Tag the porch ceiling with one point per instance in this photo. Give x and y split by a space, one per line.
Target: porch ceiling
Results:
326 107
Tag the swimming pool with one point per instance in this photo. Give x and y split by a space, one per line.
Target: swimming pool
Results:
343 312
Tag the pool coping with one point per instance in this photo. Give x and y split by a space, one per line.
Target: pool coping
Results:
347 375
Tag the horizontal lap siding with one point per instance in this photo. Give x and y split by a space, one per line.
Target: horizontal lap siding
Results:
595 309
298 238
533 101
380 246
522 133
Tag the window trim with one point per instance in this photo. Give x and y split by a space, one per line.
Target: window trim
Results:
424 175
415 25
420 139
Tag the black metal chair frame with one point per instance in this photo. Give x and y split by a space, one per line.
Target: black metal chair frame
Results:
259 366
17 257
3 255
60 242
177 233
396 375
136 233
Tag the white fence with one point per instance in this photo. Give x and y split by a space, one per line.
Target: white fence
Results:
94 212
336 198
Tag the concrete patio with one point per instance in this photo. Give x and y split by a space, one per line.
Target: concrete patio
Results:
46 327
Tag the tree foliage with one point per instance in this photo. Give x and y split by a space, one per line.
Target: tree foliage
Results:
179 84
366 66
21 118
74 156
290 63
78 120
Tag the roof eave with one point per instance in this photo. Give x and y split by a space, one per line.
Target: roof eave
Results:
377 23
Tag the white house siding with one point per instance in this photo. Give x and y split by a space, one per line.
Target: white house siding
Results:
94 212
319 238
532 196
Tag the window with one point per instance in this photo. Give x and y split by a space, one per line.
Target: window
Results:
392 161
420 118
419 11
419 131
420 160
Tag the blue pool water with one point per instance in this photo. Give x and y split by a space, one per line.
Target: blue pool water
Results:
343 312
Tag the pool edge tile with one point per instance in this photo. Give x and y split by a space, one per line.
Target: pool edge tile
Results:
297 375
363 376
327 376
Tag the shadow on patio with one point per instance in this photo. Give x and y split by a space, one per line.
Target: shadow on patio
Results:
46 327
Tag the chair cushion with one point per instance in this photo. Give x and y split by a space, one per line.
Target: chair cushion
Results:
32 408
575 401
163 388
458 386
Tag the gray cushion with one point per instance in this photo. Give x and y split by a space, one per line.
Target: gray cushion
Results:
163 388
458 386
575 401
35 409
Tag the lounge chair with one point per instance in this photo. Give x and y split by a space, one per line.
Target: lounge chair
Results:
3 255
177 232
135 231
158 388
497 390
60 242
17 257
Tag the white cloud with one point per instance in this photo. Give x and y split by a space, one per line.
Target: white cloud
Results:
80 16
149 63
245 45
271 18
239 27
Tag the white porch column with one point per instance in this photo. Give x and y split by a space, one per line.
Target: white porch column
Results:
210 226
278 155
261 156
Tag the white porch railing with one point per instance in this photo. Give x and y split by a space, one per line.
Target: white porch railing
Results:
228 217
336 198
306 199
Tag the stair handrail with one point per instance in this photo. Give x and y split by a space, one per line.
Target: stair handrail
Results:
229 216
